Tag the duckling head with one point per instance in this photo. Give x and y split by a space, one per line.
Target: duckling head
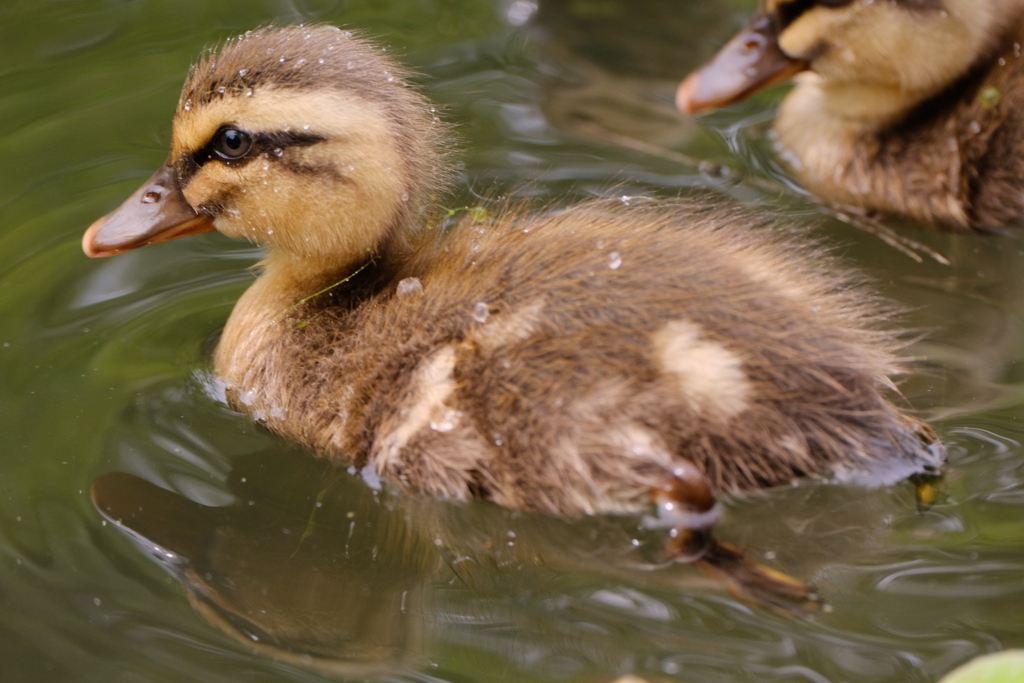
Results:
307 140
873 59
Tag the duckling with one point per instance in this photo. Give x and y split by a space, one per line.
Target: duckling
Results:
909 107
618 356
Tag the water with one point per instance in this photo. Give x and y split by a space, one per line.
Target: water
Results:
296 572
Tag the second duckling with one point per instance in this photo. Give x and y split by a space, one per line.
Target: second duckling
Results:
613 357
906 107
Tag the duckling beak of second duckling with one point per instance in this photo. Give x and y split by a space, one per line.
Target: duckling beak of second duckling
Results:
156 212
749 62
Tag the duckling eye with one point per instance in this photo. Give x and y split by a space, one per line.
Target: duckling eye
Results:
232 143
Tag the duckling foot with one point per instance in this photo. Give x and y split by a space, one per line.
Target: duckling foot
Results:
756 583
927 490
687 503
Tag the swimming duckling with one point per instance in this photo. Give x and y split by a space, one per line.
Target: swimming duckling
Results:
914 107
612 357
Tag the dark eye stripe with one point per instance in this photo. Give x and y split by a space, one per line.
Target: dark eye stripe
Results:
267 145
788 12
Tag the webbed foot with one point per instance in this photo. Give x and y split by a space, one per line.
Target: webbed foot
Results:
757 584
687 505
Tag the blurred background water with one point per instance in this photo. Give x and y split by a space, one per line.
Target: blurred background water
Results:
270 566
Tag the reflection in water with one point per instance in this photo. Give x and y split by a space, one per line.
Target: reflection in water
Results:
336 583
310 566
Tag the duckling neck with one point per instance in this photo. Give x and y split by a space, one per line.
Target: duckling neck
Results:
865 106
286 290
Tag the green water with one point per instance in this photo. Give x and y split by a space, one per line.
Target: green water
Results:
300 573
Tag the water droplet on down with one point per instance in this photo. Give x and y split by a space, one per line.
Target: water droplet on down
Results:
448 422
410 285
481 312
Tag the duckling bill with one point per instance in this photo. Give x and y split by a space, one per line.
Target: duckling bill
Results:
907 107
611 357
